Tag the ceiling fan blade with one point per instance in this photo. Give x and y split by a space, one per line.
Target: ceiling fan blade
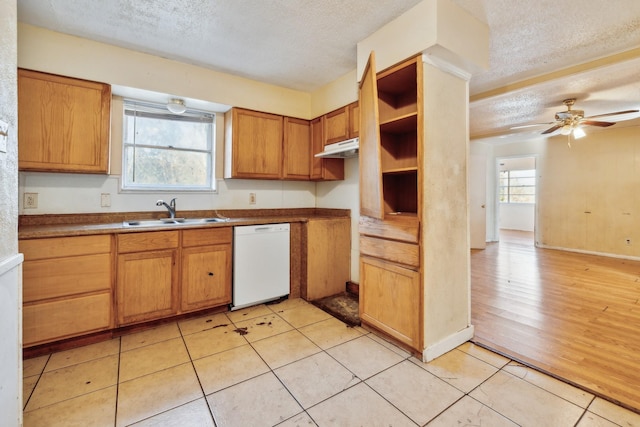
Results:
531 125
617 113
552 129
596 123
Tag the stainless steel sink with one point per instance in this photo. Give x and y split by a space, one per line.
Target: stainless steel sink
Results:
170 221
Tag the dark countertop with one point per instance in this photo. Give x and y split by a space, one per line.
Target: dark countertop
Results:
42 226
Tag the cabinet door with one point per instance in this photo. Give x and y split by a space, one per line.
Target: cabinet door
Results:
354 119
146 286
206 277
63 123
336 125
390 300
328 257
323 169
371 203
254 145
297 149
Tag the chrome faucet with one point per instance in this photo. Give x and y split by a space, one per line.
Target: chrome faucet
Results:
171 207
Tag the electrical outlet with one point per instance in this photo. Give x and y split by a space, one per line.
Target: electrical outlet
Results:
105 200
30 200
252 198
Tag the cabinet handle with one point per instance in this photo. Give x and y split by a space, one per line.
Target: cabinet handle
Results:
210 273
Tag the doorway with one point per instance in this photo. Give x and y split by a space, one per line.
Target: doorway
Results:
516 196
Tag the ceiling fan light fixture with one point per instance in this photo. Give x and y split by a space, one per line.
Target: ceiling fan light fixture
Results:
578 133
176 106
566 130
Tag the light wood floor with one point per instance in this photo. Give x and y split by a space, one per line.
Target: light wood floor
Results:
572 315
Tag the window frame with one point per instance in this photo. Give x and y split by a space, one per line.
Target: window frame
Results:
509 186
159 110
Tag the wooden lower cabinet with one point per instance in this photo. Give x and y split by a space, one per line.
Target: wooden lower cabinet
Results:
390 300
63 318
67 287
147 283
206 268
328 258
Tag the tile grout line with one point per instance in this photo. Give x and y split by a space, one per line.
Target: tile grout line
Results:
33 390
115 416
195 371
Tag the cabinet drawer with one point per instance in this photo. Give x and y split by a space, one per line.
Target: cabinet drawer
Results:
154 240
52 278
65 318
59 247
399 252
204 237
395 227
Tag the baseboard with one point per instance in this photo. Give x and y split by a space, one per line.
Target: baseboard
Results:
353 288
596 253
447 344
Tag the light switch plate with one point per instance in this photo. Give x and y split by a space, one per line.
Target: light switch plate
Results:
4 136
105 200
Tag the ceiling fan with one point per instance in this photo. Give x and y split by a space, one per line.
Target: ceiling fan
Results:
570 122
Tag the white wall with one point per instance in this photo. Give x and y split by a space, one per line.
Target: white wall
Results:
10 260
517 216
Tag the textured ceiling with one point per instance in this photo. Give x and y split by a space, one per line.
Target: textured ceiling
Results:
304 44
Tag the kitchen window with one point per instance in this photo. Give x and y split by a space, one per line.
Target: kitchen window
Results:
167 151
518 186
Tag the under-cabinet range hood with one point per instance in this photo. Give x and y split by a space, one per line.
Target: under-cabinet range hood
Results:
341 150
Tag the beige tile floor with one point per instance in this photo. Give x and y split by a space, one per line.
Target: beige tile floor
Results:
295 366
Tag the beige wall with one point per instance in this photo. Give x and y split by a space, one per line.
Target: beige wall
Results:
589 198
444 225
8 113
10 260
45 50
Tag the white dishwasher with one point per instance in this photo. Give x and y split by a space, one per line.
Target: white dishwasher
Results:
260 264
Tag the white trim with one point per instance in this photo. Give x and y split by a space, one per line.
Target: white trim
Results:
447 344
9 263
446 66
581 251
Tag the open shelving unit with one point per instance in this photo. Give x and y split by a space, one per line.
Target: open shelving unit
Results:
398 112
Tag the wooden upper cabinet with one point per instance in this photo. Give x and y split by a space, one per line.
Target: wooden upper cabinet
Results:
63 123
297 149
371 203
323 169
336 125
253 146
354 119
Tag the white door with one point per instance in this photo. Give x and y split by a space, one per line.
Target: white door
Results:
477 200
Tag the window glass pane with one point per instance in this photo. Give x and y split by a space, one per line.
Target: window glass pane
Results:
522 173
514 182
517 186
162 150
160 167
167 133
